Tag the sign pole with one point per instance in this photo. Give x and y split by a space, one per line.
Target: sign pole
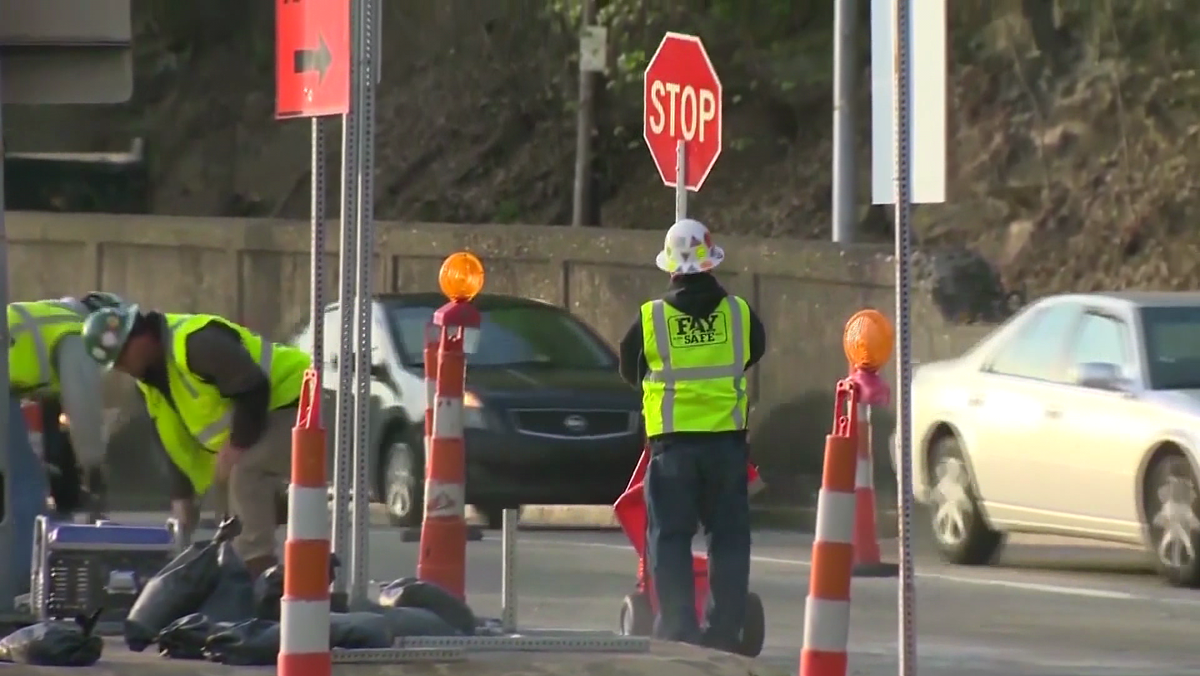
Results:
364 258
681 193
343 362
902 156
316 264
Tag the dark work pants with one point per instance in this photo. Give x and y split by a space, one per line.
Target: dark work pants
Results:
691 481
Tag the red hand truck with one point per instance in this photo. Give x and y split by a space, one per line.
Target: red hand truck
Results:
640 607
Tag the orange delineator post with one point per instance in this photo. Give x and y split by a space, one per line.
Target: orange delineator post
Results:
443 550
431 369
867 558
304 608
827 608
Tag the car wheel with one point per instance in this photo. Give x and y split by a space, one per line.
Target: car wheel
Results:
403 485
1173 520
959 528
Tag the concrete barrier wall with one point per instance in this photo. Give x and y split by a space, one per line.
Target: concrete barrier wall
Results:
256 271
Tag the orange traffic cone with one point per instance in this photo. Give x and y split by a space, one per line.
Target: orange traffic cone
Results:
827 608
867 560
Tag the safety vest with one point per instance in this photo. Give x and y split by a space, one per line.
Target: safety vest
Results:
195 422
34 329
697 368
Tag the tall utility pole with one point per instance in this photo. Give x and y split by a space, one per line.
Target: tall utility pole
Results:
845 78
585 123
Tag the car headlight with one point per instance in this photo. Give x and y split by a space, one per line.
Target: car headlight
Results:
474 415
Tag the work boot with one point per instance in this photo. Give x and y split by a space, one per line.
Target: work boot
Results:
259 565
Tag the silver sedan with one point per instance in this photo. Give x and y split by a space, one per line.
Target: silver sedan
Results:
1080 416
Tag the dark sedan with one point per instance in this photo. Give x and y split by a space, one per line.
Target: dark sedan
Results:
548 419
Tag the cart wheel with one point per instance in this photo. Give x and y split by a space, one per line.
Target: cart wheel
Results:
754 628
637 617
173 531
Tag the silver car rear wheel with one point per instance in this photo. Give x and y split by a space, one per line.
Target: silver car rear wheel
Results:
1173 520
951 500
959 527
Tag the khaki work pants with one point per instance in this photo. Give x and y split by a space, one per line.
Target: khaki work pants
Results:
259 475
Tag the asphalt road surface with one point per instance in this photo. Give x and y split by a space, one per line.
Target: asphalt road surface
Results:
1048 609
1052 607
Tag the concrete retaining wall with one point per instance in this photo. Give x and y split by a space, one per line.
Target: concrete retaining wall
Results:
257 272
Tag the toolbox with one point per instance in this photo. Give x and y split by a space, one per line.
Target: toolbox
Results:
79 568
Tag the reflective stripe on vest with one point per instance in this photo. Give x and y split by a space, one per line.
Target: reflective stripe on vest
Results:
208 434
34 326
670 376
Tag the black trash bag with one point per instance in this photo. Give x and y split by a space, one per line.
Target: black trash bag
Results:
184 638
268 589
232 600
253 643
55 644
413 593
359 630
179 589
389 592
416 622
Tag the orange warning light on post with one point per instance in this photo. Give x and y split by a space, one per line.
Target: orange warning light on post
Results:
868 340
461 276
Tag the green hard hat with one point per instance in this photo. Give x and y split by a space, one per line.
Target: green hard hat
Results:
96 300
106 330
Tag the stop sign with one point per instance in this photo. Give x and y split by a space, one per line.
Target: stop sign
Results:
683 102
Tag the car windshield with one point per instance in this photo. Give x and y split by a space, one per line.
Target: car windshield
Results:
1172 336
519 335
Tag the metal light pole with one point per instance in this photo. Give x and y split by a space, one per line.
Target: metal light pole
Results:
845 77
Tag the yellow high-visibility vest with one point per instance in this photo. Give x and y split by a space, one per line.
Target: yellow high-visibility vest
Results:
195 423
34 329
697 368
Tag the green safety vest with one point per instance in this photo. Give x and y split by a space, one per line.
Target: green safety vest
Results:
198 423
34 329
697 368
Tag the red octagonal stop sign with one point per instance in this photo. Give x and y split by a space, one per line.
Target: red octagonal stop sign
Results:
683 102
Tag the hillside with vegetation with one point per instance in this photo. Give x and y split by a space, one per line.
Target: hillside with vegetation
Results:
1074 124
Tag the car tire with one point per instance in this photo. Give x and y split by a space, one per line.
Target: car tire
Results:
960 529
1172 501
403 484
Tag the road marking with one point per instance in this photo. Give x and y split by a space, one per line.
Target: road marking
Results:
1065 590
1061 590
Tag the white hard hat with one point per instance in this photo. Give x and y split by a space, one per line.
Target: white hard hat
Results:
688 248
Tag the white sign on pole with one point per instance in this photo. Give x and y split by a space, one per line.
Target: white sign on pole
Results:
927 115
593 49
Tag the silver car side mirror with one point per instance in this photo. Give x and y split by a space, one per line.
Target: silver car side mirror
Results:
1101 376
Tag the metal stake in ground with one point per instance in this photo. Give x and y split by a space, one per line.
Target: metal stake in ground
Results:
364 257
5 399
342 362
